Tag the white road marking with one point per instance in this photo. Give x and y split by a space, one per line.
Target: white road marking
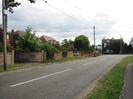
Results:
94 61
89 63
18 84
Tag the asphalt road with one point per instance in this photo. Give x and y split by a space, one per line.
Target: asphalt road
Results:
56 81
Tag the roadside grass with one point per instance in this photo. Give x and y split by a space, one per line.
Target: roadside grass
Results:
110 86
12 67
23 66
64 59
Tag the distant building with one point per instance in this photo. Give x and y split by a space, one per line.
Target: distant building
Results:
112 46
50 40
1 37
13 37
99 47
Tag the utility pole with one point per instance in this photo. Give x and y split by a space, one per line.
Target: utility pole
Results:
94 37
6 5
4 16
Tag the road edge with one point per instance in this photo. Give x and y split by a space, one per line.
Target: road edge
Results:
84 94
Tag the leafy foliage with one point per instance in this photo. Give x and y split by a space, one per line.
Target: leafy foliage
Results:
28 42
49 49
67 45
131 42
81 43
116 46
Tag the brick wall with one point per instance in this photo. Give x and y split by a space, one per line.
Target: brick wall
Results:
57 56
10 58
30 57
87 54
70 54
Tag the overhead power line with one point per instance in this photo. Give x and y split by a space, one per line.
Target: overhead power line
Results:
64 13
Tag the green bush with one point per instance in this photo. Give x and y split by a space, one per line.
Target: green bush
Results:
9 48
28 42
50 50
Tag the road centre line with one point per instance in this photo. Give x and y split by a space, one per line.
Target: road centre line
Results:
94 61
28 81
89 63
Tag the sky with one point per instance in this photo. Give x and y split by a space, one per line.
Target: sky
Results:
66 19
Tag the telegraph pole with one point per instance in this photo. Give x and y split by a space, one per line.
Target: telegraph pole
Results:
7 5
94 37
4 16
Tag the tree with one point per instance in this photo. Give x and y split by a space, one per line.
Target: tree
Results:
131 46
28 42
81 43
68 45
125 48
131 42
115 46
91 48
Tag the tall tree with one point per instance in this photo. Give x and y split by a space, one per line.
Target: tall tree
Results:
130 48
81 43
113 46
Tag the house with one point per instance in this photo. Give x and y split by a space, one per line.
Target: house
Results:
1 37
50 40
13 37
112 46
99 47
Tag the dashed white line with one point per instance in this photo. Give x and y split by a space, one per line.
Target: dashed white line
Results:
28 81
89 63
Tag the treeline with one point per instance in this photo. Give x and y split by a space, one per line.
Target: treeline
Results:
29 42
116 46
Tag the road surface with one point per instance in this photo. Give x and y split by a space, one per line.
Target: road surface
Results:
56 81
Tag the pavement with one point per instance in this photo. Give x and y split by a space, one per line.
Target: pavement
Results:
128 87
56 81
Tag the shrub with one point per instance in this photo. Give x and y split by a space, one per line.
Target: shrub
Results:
50 50
28 42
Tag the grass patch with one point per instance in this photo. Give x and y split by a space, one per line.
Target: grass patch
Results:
110 86
13 67
22 66
64 59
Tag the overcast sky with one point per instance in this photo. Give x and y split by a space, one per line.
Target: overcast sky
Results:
65 19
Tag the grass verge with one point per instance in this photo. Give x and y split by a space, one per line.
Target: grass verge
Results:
64 59
23 66
12 67
110 86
